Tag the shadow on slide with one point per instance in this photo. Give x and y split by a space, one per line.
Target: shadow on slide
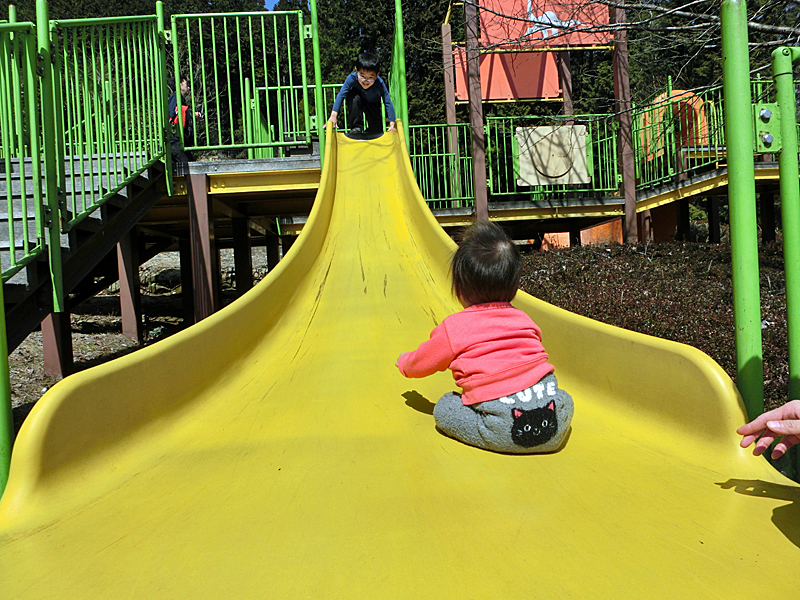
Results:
274 451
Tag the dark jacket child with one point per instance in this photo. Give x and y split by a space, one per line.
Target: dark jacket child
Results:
180 155
363 91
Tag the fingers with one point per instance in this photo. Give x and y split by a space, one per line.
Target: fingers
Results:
788 431
756 425
763 443
786 427
785 443
788 412
749 439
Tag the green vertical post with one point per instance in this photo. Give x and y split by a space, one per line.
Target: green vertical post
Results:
163 123
782 59
6 413
319 102
399 60
49 146
248 118
176 71
742 205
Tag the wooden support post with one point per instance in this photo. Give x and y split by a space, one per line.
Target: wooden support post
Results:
57 344
476 112
450 109
286 244
767 202
645 224
205 270
187 283
622 96
712 208
242 255
273 251
129 294
565 76
684 224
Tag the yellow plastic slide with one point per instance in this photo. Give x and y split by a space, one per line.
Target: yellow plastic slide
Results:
274 451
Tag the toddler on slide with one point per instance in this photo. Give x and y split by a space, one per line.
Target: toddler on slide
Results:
510 400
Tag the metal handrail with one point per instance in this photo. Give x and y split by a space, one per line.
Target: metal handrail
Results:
248 75
82 114
19 124
110 108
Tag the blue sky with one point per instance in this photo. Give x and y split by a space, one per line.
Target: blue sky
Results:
270 4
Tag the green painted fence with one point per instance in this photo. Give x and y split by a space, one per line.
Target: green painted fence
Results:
440 157
82 113
247 75
21 144
110 108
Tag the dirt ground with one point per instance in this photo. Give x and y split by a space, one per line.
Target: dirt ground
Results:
679 291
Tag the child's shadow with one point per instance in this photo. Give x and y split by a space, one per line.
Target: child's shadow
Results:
419 402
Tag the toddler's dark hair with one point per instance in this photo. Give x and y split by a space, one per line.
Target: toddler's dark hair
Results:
486 267
367 61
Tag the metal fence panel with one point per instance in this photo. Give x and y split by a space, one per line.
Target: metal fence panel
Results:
22 238
247 74
110 108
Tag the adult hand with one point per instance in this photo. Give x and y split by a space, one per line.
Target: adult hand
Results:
392 126
332 119
783 422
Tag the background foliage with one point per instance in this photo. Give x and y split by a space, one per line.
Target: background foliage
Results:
667 38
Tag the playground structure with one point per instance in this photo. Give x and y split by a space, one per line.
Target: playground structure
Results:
273 449
122 171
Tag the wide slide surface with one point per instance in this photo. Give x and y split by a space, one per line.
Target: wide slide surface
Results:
274 451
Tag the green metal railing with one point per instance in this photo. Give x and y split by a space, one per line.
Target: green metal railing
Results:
82 113
397 72
109 107
19 127
503 156
22 165
782 61
440 157
677 132
247 74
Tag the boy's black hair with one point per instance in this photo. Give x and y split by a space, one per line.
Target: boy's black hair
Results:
486 267
180 79
367 61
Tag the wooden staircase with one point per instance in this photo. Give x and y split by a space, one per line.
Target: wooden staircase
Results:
88 260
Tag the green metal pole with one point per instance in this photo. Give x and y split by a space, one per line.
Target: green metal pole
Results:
248 118
6 413
399 48
319 101
742 205
782 59
49 146
176 70
163 123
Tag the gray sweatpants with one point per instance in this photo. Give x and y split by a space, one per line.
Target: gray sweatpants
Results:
531 421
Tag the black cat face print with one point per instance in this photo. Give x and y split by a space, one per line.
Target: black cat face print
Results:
533 427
